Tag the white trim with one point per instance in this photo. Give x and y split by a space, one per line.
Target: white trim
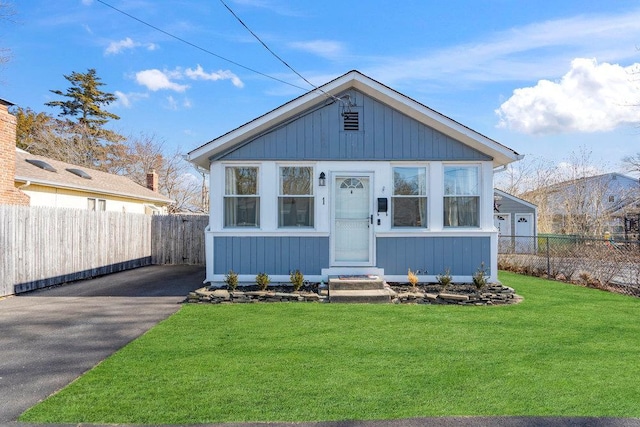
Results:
313 194
481 195
208 253
259 190
416 165
458 232
235 232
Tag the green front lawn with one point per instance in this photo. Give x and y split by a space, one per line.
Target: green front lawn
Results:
565 350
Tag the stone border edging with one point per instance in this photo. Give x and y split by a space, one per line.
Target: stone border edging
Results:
493 294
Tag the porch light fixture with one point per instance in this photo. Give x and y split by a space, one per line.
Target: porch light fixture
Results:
322 180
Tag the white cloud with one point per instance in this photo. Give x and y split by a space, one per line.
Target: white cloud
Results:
119 46
156 80
200 74
325 48
591 97
127 99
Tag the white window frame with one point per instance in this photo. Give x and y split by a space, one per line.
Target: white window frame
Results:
479 194
425 168
226 196
99 205
310 196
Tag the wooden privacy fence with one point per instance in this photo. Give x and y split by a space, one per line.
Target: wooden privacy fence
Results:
42 246
178 239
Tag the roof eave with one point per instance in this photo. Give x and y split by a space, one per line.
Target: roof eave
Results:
54 184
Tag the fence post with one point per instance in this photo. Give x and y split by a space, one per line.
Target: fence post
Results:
548 260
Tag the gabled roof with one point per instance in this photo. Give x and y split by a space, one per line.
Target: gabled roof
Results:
514 198
100 182
501 154
605 178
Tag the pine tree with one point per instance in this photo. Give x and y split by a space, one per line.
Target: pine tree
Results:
83 115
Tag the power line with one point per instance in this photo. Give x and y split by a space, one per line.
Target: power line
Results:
278 57
201 48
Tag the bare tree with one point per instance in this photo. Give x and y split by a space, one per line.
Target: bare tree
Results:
632 163
177 179
575 196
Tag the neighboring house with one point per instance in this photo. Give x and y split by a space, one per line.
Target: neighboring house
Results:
50 182
27 179
351 178
515 220
589 206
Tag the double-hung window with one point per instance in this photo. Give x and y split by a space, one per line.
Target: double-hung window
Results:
295 197
409 199
461 196
241 197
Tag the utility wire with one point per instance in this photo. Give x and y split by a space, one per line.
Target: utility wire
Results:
276 55
206 50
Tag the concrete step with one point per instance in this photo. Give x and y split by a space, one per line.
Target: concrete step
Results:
355 283
369 296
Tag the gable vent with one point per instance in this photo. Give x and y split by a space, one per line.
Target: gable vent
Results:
42 165
80 173
350 120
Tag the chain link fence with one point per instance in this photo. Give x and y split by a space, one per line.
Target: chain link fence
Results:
605 264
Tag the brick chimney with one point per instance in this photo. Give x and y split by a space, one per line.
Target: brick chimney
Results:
9 194
152 181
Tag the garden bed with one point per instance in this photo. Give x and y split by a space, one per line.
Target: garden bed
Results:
401 293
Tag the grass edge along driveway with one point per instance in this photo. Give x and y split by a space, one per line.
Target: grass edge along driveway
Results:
563 351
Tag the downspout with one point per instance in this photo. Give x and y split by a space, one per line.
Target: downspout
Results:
25 185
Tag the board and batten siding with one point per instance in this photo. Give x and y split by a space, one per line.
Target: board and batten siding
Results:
272 255
462 256
384 134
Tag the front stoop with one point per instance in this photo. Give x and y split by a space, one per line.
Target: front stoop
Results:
359 289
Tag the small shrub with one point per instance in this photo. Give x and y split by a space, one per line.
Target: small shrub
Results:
413 279
444 279
297 280
231 279
480 277
263 280
588 280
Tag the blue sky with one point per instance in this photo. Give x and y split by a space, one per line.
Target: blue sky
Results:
542 77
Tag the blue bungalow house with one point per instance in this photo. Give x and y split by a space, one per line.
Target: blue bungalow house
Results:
353 178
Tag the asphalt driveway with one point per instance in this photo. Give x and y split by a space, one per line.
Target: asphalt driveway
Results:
48 338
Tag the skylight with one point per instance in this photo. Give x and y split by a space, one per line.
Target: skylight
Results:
42 165
79 172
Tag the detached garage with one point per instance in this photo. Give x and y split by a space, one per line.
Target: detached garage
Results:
516 221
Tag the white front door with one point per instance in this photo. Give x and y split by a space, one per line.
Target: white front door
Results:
352 231
525 242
